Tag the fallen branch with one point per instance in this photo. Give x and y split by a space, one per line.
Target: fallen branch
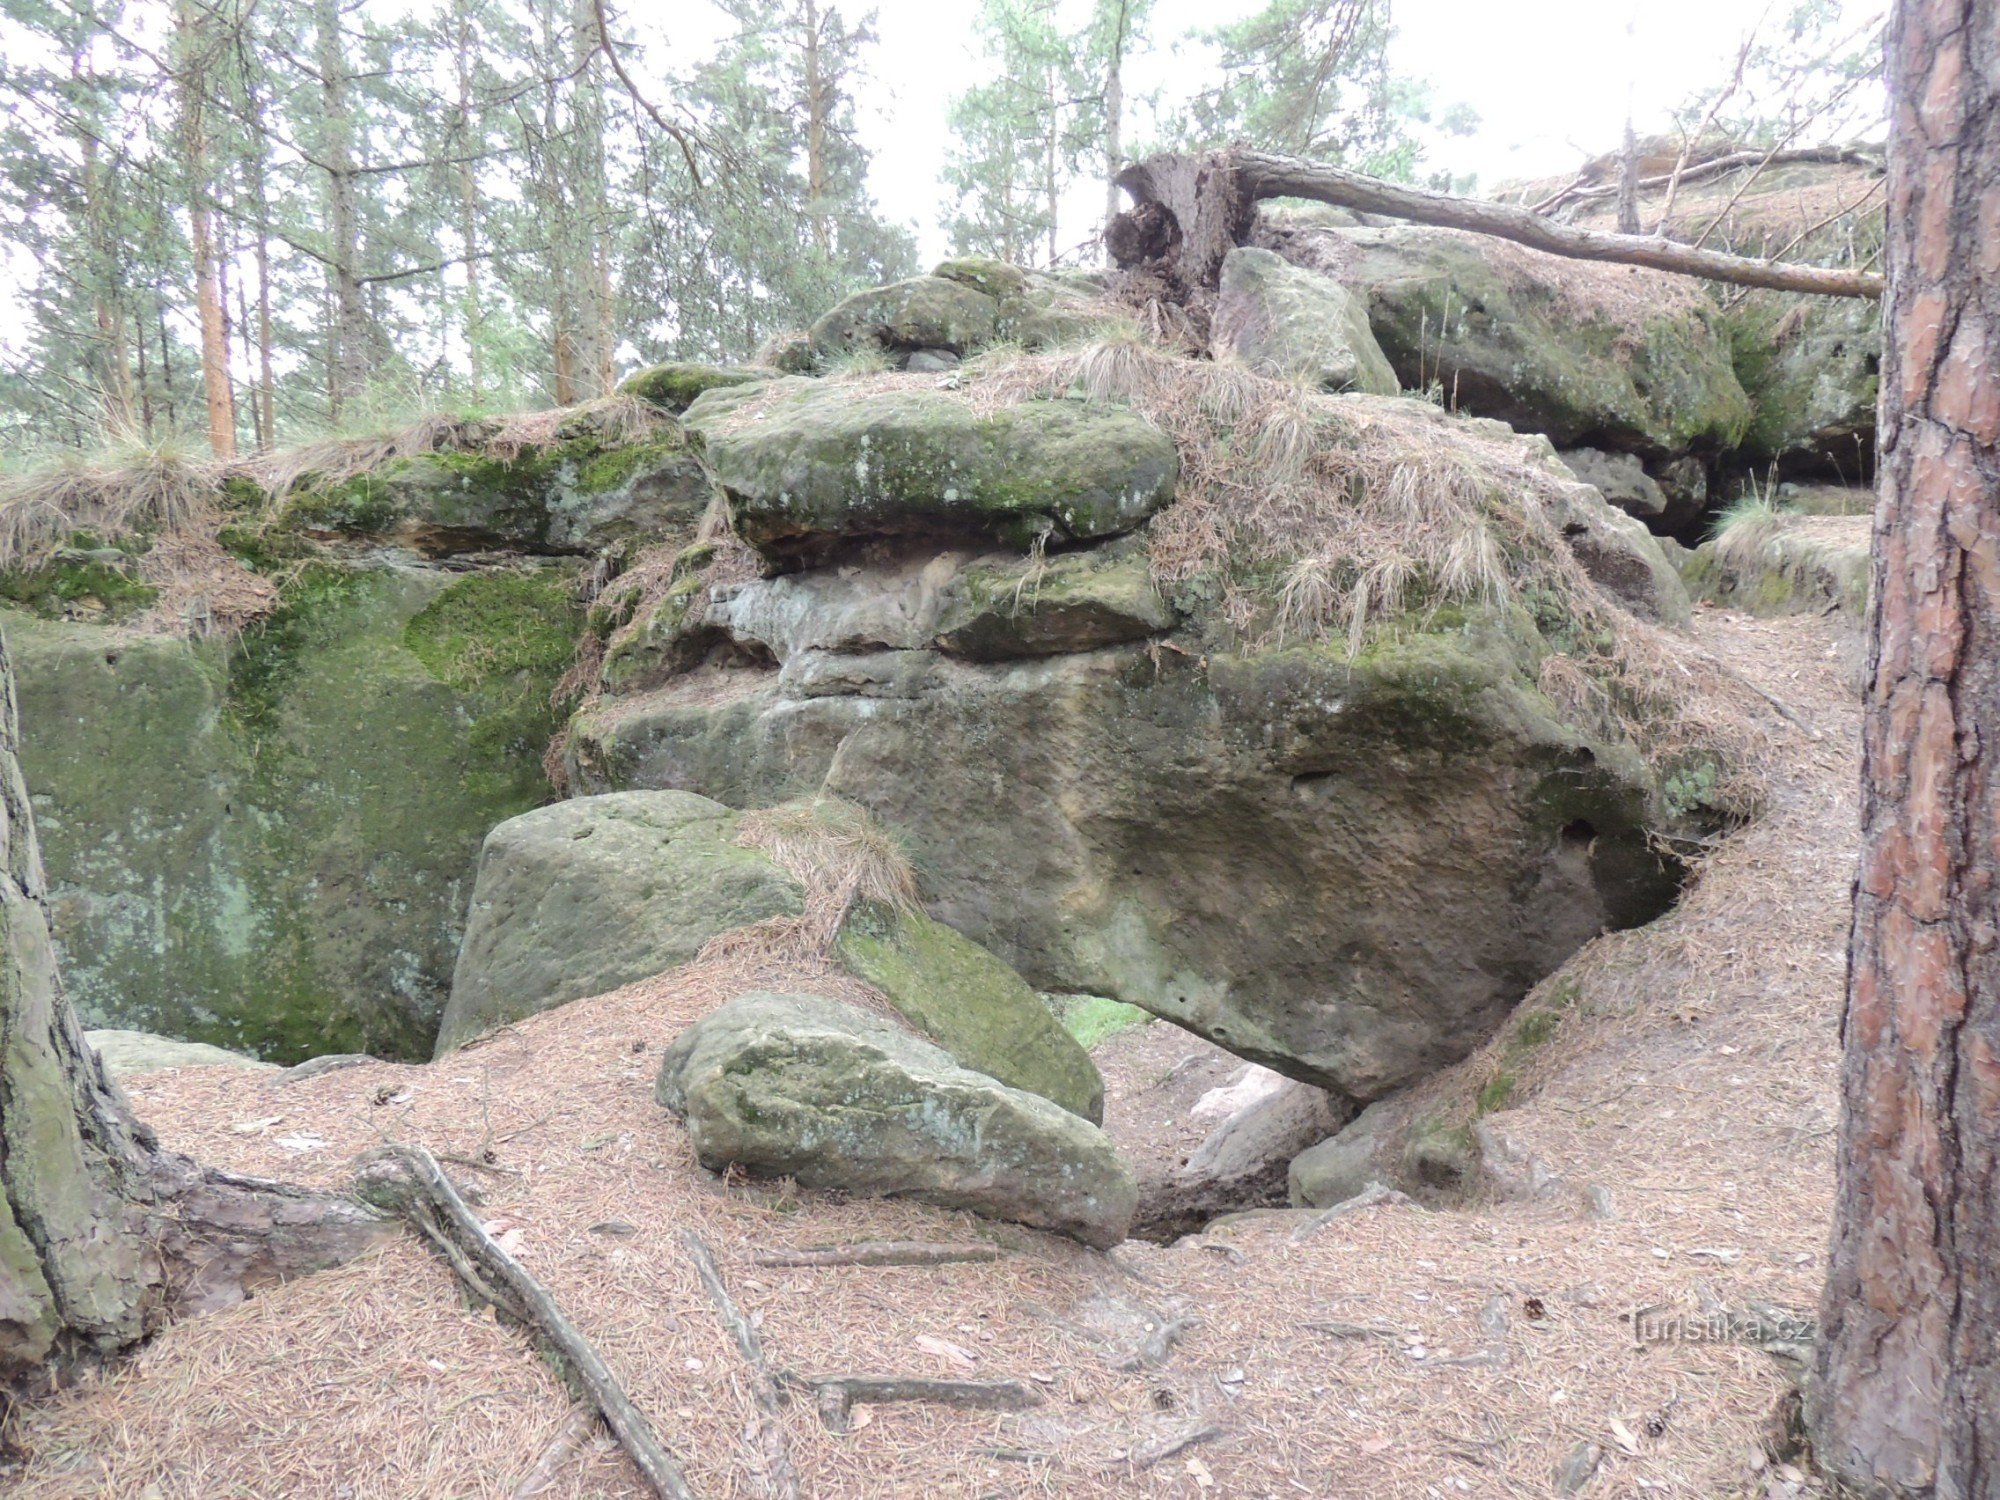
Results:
1154 1349
1375 1195
836 1396
1152 1453
557 1454
1784 710
878 1253
780 1477
407 1180
1192 210
1583 191
1337 1328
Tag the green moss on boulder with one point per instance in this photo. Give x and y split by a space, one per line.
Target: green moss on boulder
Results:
1071 602
269 846
1641 373
803 459
675 385
806 1087
583 896
971 1004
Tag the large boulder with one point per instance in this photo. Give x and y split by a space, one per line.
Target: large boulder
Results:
1295 324
590 894
267 844
973 1005
1603 356
809 1088
805 461
1811 366
1346 868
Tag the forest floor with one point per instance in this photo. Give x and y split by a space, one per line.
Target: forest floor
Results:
1394 1351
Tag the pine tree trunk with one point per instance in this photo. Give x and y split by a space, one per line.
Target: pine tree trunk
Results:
468 194
818 97
211 307
103 1234
1114 111
1905 1398
352 334
214 318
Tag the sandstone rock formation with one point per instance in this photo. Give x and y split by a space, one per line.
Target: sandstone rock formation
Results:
590 894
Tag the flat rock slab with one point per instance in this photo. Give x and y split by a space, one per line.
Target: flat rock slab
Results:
805 459
127 1052
810 1088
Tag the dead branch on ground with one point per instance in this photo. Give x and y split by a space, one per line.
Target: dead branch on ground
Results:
408 1181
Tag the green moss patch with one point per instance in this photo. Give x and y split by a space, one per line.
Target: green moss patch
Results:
1094 1019
971 1004
68 588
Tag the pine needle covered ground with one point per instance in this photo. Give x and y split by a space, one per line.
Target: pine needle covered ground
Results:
1474 1350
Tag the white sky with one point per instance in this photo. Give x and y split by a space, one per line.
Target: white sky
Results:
1551 81
1548 78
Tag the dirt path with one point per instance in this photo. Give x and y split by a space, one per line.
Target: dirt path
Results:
1471 1352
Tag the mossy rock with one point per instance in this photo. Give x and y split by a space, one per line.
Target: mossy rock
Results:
1295 324
1070 602
1812 367
1787 564
804 460
971 1004
269 846
675 385
809 1088
98 584
580 495
590 894
1656 381
1347 869
925 312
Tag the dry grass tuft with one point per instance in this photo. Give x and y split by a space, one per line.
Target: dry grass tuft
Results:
841 856
137 488
335 460
1341 515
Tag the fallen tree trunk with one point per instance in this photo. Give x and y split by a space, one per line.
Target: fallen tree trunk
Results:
1718 166
1190 211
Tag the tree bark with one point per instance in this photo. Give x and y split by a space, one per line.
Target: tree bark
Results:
818 100
103 1234
1628 182
1905 1394
1114 108
1191 210
210 295
351 361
